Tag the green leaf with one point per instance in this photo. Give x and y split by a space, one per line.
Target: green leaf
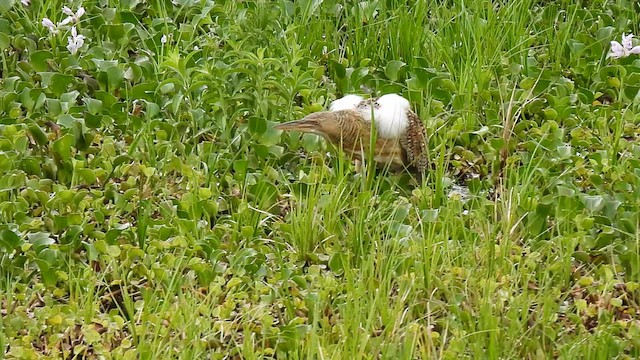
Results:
54 107
40 240
145 91
257 125
60 83
9 240
115 75
94 106
5 42
339 69
121 160
393 70
40 60
593 203
88 176
337 263
63 146
38 134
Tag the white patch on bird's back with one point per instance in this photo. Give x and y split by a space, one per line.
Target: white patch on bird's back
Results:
347 102
389 113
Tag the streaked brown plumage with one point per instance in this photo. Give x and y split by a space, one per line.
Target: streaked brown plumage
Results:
414 142
346 129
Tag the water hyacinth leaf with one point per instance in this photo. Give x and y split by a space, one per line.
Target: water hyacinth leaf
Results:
550 114
93 121
257 125
53 106
39 60
271 136
593 203
63 146
564 151
5 42
68 121
430 215
144 91
152 110
338 69
121 160
88 176
414 84
9 240
358 74
40 240
631 92
391 89
70 97
94 106
25 98
107 98
118 32
115 76
424 75
612 71
38 134
394 70
337 263
60 83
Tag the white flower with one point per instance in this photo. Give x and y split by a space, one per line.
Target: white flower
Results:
71 16
26 2
75 41
67 11
625 49
163 39
50 25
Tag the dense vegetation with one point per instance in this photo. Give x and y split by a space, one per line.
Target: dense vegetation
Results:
148 209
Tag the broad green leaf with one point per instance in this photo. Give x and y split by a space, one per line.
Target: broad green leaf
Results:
38 134
9 240
115 75
5 42
63 146
394 70
40 60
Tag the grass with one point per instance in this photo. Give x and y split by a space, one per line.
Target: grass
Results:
148 209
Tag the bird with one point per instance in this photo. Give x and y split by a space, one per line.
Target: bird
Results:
394 119
347 129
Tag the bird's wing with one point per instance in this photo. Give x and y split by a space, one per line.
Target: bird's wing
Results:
415 142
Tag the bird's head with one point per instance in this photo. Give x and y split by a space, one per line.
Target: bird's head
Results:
325 123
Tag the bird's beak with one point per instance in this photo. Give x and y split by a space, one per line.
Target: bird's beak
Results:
303 125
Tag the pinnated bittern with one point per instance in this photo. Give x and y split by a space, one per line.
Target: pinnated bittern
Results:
394 119
401 141
348 130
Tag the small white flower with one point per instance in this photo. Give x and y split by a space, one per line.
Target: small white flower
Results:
71 16
75 41
163 39
196 48
26 2
50 25
624 49
67 11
